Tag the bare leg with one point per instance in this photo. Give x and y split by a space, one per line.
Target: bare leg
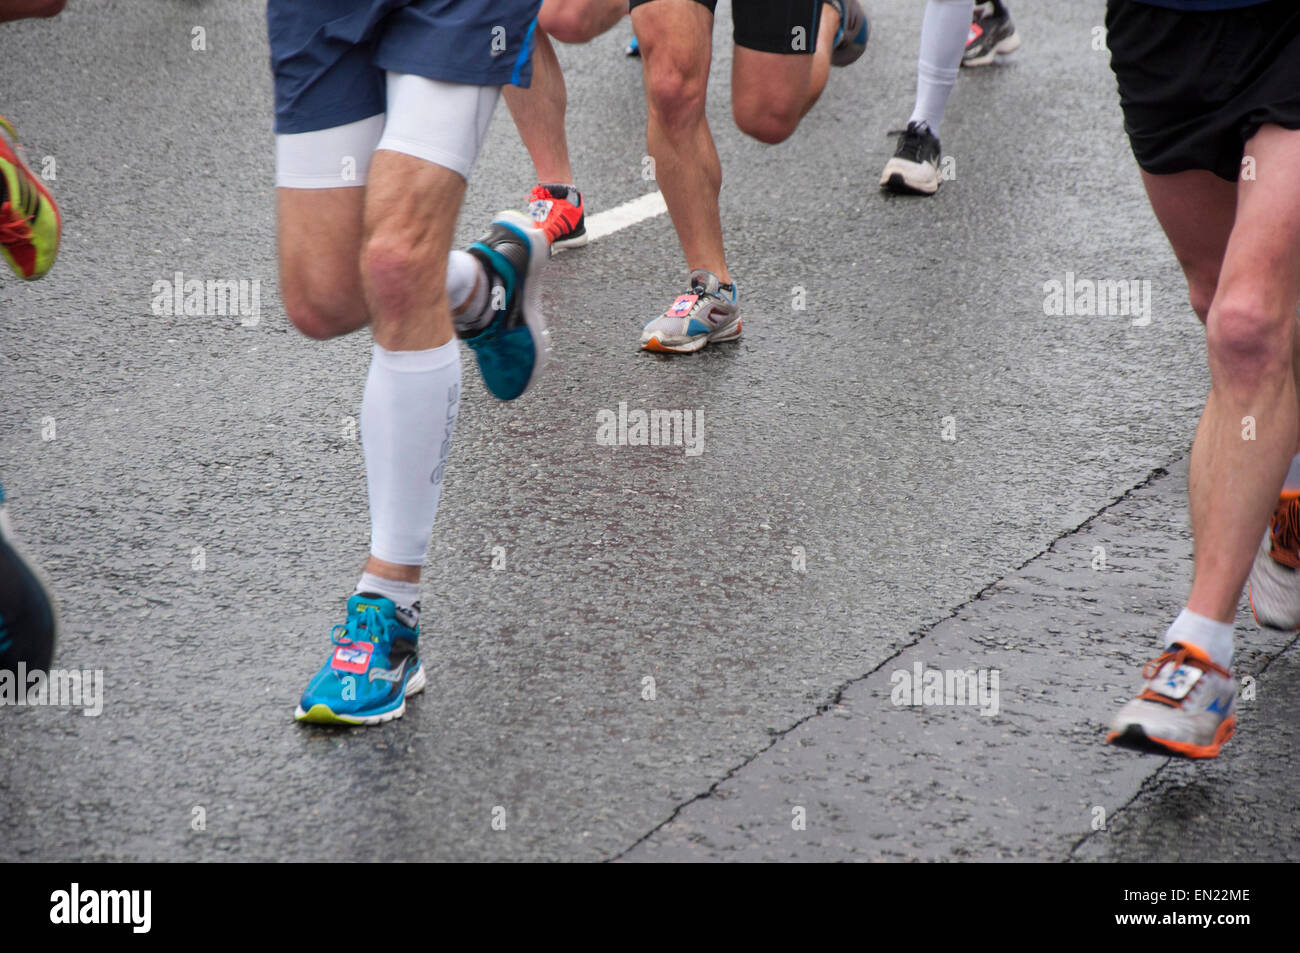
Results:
676 48
772 92
539 110
538 113
1251 338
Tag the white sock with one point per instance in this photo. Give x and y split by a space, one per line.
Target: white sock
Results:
1214 637
408 414
943 40
405 595
463 271
1292 484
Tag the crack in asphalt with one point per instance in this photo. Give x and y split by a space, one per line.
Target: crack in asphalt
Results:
1148 783
917 637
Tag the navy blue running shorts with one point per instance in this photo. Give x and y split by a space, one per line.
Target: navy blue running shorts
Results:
329 57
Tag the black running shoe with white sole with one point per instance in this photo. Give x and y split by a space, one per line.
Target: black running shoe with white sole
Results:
914 168
992 34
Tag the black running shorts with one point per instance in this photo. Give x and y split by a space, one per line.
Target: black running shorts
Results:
770 26
1195 86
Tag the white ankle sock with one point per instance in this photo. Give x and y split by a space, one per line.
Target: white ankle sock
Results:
408 414
405 595
943 40
463 271
1210 635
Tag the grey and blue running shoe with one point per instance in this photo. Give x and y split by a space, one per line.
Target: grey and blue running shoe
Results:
704 314
512 349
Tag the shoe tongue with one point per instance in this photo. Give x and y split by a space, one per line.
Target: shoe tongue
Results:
566 192
704 282
361 601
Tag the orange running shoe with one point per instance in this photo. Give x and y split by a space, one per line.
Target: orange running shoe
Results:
30 224
1273 589
563 221
1187 707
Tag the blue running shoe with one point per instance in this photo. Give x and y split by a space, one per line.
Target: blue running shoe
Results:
633 48
27 619
511 347
851 35
370 673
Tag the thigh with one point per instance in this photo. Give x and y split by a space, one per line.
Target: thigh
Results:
1262 261
771 72
320 178
1196 209
440 122
577 21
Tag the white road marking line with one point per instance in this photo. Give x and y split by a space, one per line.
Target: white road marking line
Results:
629 213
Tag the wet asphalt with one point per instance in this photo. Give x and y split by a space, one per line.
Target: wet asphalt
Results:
681 656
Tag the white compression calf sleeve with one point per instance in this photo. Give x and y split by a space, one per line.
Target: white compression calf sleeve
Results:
943 39
408 414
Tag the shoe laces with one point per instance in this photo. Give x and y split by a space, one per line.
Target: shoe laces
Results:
909 147
1178 657
346 633
1284 529
14 228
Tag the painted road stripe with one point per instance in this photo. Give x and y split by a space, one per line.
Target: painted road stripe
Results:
629 213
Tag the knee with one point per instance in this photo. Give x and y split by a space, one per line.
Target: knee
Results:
574 22
675 94
399 274
322 304
1248 344
767 121
318 316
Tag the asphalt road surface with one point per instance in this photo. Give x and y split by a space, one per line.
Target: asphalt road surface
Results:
678 656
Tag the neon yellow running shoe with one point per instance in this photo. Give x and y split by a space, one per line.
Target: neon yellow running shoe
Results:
30 224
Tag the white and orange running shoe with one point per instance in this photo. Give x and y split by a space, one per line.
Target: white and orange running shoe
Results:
1187 707
1273 589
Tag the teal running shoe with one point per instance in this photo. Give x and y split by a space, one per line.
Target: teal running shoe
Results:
511 348
852 34
373 669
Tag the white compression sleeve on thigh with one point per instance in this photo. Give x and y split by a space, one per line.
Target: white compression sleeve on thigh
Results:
438 122
408 414
328 158
943 39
